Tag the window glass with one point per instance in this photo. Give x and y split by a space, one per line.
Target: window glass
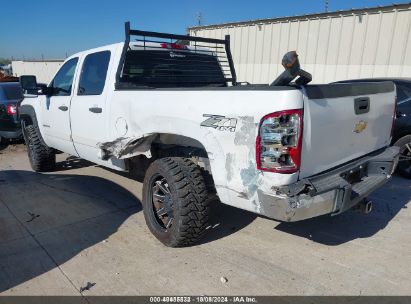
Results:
13 91
93 74
63 81
404 96
172 69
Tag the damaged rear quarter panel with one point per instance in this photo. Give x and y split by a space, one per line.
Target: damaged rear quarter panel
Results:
231 148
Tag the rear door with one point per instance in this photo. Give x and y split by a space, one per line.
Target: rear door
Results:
89 110
343 122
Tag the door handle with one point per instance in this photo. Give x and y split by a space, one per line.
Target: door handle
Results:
63 108
361 105
95 110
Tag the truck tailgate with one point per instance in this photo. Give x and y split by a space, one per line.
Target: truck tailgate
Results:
343 122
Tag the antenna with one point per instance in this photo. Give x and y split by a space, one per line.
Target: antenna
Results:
326 6
199 18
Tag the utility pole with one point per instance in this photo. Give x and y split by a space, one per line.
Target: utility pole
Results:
199 18
326 6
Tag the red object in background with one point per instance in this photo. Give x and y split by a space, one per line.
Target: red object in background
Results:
11 109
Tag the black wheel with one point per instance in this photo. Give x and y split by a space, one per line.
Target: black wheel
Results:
404 164
42 158
175 201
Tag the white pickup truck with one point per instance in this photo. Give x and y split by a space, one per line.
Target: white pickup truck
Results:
169 106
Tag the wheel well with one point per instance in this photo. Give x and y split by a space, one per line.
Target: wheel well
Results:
28 121
399 136
171 145
28 115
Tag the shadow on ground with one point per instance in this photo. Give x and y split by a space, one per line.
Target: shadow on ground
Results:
72 162
225 220
336 230
47 219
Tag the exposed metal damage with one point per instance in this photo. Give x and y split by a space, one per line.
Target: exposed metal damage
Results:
246 134
286 203
229 165
246 137
303 186
248 178
125 147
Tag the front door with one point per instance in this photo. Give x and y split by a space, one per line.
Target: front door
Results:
55 109
88 107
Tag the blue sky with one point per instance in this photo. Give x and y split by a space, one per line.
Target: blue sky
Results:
54 28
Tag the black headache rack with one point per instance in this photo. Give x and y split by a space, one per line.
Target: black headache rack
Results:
206 60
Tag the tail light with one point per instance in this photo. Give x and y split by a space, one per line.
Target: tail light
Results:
279 141
174 46
11 109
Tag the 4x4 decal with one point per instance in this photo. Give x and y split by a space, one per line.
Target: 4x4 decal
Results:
219 122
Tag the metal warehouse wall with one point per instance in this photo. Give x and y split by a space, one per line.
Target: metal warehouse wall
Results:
362 43
43 70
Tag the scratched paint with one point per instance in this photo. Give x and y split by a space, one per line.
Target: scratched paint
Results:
229 166
246 135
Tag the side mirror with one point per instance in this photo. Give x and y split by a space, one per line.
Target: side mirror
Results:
48 91
28 84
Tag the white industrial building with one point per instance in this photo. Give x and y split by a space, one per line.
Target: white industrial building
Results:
44 70
357 43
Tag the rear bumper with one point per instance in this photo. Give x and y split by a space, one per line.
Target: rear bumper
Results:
331 192
10 127
11 134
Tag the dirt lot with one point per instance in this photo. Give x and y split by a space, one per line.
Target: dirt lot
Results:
83 223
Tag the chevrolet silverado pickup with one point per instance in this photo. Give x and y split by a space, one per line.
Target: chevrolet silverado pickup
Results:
170 107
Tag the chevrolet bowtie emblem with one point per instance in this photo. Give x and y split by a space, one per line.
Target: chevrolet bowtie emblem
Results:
360 126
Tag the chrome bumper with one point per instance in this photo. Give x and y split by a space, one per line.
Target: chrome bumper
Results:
331 192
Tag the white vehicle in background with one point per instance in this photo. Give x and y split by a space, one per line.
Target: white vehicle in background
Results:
173 110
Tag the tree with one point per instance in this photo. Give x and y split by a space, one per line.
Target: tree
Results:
4 61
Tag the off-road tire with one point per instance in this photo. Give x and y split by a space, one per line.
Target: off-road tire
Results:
190 201
42 158
403 167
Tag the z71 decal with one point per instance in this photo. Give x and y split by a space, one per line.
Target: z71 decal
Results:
219 122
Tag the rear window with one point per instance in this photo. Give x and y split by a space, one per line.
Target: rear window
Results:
171 69
404 96
93 74
12 91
